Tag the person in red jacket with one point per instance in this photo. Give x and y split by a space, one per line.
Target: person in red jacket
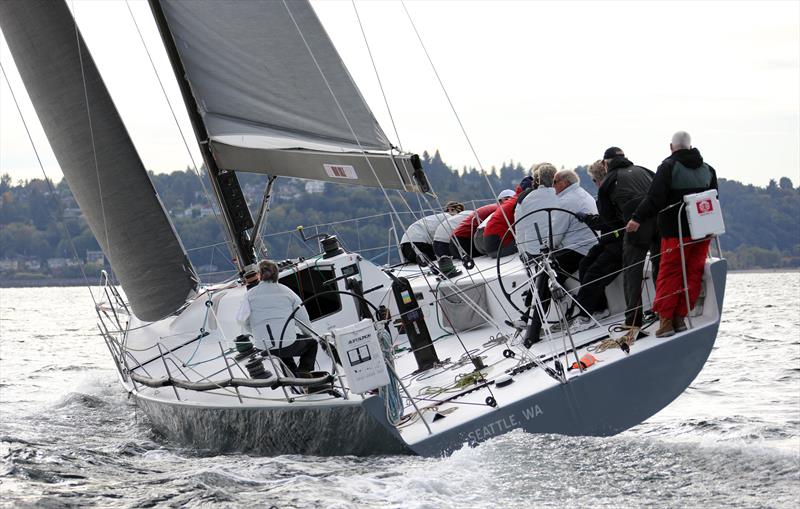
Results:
461 239
489 238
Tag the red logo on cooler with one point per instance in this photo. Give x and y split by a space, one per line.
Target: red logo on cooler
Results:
705 207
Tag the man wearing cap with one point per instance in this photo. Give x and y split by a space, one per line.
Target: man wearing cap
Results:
461 239
622 187
441 237
683 172
416 246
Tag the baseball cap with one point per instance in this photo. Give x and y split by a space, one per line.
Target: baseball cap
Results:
613 152
505 193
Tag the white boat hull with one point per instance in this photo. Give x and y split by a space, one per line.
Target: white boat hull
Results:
619 392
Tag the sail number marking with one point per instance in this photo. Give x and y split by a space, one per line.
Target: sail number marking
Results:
340 171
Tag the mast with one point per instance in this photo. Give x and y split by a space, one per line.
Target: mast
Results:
236 215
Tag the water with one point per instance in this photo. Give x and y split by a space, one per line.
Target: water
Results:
69 436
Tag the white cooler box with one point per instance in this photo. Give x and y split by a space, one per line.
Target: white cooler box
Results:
704 214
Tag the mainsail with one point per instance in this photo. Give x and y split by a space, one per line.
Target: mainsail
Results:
97 157
275 96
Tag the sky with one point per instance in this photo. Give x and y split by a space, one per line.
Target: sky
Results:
529 81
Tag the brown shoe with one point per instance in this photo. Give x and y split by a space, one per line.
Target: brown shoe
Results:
679 323
665 329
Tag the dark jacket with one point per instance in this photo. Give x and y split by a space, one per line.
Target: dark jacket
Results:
626 185
622 190
682 173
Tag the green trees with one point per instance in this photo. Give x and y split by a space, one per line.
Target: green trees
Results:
763 227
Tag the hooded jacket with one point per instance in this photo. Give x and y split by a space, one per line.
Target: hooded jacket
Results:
684 172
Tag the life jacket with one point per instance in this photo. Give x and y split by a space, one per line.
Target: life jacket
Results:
586 361
684 177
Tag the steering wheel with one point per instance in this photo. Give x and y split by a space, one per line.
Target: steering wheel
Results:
546 243
326 292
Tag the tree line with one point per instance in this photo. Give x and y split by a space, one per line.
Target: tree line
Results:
761 223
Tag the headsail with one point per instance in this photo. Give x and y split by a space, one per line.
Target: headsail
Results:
275 96
97 156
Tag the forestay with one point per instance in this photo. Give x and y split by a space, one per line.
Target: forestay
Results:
275 96
97 157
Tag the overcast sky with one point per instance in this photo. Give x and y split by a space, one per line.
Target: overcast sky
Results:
531 81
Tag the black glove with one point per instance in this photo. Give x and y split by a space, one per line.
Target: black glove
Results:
581 216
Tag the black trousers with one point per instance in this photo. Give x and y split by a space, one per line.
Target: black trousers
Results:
567 261
303 347
494 249
466 245
410 255
597 270
634 252
441 248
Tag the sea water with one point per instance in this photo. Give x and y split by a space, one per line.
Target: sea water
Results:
69 435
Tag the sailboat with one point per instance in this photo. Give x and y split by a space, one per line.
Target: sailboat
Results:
413 359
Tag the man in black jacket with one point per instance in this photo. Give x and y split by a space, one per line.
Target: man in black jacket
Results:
625 187
682 173
622 186
604 260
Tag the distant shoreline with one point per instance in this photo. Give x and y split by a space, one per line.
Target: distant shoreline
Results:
42 283
63 282
764 271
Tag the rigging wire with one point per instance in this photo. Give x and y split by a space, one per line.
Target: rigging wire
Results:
91 130
453 109
380 83
352 131
50 186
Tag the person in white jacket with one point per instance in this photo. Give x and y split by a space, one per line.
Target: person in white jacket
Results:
441 238
570 234
269 304
416 246
530 223
572 239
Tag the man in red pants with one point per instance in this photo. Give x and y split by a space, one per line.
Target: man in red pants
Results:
684 172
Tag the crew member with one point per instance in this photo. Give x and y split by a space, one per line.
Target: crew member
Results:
571 240
416 246
604 260
532 220
441 237
269 304
683 172
461 240
624 188
496 236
